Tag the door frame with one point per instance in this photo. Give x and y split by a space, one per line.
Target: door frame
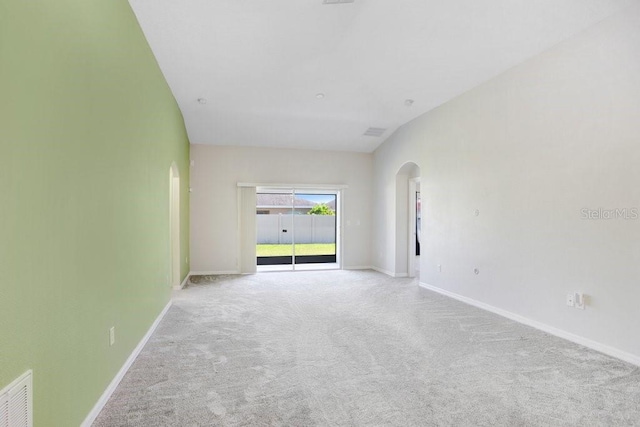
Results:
411 253
305 189
174 226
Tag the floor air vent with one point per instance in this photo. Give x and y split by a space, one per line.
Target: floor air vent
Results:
16 402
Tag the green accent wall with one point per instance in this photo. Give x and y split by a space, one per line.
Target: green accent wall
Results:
88 132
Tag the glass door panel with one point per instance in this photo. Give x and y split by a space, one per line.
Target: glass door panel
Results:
274 224
315 228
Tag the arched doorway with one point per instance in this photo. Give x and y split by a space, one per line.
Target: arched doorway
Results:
408 218
174 225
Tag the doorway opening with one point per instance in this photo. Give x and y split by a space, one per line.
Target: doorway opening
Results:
408 221
415 222
174 226
297 229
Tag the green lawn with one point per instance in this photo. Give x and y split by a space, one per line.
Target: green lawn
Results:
301 249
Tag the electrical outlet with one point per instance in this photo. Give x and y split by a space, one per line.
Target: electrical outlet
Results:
112 336
571 300
578 298
440 268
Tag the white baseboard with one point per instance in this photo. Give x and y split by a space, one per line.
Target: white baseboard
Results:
383 271
116 380
184 282
594 345
358 267
213 273
389 273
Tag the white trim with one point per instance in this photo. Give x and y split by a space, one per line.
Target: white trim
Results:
174 225
358 267
184 282
388 273
285 186
383 271
339 228
293 190
17 381
120 375
238 233
214 273
594 345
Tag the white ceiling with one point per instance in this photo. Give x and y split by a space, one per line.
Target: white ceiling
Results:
260 63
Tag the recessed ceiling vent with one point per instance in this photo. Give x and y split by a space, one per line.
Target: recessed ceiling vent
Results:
336 1
374 132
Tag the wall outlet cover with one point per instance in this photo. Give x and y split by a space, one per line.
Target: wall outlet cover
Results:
570 300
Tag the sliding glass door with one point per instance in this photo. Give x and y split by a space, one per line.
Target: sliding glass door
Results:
274 224
297 229
316 228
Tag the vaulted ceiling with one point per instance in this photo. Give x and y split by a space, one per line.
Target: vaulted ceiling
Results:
252 72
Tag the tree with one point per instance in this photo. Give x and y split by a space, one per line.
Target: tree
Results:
321 209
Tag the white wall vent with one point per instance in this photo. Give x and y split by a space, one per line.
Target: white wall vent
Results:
336 1
374 132
16 403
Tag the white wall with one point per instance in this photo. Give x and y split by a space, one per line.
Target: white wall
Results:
214 212
530 149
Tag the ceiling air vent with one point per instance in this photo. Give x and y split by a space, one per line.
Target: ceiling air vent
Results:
374 132
336 1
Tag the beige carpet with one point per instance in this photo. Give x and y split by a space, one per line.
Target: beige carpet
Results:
341 348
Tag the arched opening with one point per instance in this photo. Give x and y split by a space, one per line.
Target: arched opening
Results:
174 226
408 219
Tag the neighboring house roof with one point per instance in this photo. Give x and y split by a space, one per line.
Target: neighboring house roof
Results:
281 201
